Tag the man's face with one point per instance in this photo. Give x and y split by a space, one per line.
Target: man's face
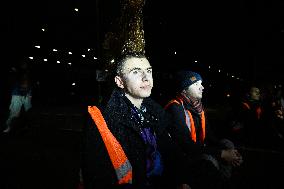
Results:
255 93
136 79
195 90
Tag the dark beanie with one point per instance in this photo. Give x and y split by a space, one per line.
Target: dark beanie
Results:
185 78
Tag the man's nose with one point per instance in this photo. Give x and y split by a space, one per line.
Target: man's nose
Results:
145 76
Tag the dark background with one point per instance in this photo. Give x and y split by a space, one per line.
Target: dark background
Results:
244 37
240 38
229 42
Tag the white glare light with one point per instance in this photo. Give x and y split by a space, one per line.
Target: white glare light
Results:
89 49
70 63
112 61
95 58
37 46
58 62
219 71
31 57
69 52
43 29
45 59
83 55
209 67
54 50
175 52
195 61
76 9
73 84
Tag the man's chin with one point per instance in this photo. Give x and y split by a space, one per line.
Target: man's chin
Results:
145 94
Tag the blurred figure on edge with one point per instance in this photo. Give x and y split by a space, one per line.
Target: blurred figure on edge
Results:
248 122
210 160
126 144
21 95
275 118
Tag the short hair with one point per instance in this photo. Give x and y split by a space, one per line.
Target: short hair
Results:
122 59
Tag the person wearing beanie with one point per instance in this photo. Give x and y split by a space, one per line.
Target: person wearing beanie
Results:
185 78
208 159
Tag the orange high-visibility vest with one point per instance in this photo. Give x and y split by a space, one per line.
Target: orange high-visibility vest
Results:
190 122
121 164
258 110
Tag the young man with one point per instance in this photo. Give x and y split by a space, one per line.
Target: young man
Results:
192 133
133 149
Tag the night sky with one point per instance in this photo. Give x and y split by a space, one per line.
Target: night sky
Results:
242 38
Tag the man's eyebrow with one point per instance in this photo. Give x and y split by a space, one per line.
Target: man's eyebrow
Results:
136 68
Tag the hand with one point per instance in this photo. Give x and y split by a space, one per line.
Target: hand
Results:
228 155
279 114
183 186
232 156
238 160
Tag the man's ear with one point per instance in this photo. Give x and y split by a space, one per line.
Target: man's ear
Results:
119 82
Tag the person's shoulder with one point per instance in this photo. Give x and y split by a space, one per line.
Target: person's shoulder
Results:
172 103
173 106
87 113
152 104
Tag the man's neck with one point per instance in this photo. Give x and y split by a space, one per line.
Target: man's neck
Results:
136 102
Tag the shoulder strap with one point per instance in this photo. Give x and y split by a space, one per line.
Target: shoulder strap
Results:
187 118
246 105
190 122
118 158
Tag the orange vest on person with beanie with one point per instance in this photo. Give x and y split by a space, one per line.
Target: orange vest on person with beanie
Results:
190 122
120 162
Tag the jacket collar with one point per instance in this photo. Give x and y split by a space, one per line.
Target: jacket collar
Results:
118 111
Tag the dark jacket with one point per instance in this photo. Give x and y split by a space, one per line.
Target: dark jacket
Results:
98 171
249 117
180 133
202 159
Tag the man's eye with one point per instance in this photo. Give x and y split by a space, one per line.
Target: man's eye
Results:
135 72
149 71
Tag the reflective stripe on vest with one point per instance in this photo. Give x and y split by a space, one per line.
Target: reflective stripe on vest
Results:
121 164
190 122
